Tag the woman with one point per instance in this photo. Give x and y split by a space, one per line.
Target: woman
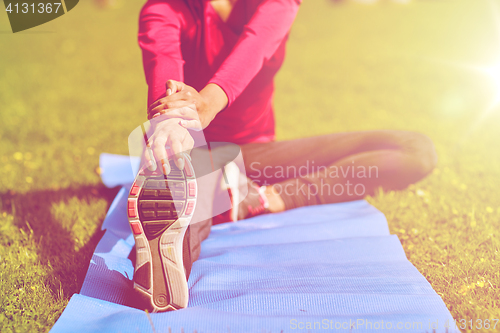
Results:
210 66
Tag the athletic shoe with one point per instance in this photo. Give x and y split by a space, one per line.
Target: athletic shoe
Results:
255 202
159 211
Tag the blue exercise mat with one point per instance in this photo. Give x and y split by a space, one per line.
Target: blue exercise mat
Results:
311 269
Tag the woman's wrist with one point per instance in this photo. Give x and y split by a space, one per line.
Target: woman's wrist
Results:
216 100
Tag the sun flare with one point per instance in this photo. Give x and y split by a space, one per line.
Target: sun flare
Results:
494 74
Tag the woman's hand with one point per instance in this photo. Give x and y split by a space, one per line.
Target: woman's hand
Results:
168 132
197 109
189 116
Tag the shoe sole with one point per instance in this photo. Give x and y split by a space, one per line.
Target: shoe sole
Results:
159 212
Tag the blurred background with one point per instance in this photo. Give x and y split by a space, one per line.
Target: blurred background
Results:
74 88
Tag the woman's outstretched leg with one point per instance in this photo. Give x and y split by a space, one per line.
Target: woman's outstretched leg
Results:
338 167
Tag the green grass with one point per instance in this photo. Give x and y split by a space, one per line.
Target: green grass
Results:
74 88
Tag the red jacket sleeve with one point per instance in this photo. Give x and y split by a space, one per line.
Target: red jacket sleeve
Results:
260 39
159 36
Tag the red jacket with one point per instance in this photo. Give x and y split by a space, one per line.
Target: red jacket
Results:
187 41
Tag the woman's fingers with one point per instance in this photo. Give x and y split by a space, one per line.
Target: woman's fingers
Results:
183 95
171 93
168 106
166 101
170 133
187 144
173 86
192 124
160 152
175 101
149 159
152 161
176 145
185 113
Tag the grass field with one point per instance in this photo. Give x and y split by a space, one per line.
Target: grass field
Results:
73 88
